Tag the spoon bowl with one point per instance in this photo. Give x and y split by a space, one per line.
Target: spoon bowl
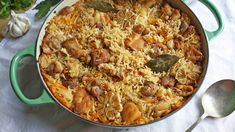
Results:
218 101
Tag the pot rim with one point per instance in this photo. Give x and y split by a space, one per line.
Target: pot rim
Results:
205 66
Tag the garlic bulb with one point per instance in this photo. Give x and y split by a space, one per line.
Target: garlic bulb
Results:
17 26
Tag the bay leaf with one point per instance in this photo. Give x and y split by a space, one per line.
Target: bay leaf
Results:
100 5
162 63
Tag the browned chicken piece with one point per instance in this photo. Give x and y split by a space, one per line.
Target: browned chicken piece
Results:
161 109
168 81
149 89
51 44
175 15
130 112
167 10
148 3
138 28
185 90
194 54
74 48
99 56
183 26
66 10
55 67
135 42
82 102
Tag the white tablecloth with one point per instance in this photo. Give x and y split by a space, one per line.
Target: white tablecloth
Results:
18 117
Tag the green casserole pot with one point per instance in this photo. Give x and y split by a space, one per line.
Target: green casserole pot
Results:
47 97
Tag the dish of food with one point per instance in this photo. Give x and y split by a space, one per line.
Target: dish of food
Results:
121 62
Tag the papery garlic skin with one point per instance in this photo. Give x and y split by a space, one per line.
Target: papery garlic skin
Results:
17 26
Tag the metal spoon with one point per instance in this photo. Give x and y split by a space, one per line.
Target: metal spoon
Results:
218 101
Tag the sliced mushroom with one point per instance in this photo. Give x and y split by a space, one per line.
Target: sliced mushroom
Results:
82 102
130 112
99 56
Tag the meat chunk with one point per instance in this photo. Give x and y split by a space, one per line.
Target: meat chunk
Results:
95 88
190 30
130 112
138 28
96 91
183 26
149 89
55 67
168 81
66 10
194 54
70 82
99 56
158 49
83 103
74 48
161 109
135 42
51 44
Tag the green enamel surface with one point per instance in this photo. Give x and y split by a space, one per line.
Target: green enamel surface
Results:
44 98
214 10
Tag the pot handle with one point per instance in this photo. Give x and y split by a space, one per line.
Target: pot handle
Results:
44 98
214 10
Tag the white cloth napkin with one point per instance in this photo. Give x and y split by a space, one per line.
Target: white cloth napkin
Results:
18 117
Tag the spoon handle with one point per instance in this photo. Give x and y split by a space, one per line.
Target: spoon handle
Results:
204 115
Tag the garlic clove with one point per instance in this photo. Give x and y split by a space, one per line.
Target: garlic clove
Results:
17 26
15 31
